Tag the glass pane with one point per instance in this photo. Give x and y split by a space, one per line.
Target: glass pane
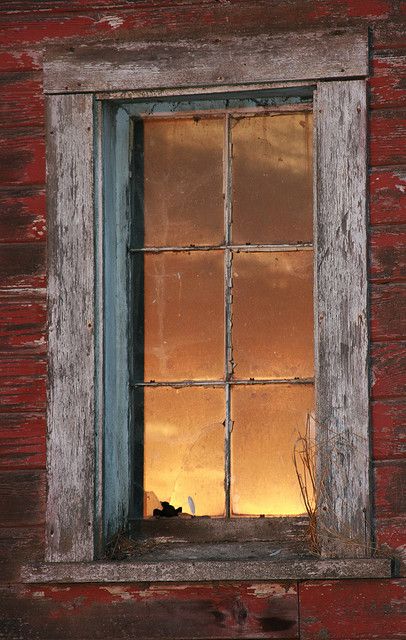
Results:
272 179
184 449
273 314
266 425
183 182
184 316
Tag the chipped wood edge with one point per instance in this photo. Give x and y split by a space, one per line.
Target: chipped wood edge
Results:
199 571
131 65
70 406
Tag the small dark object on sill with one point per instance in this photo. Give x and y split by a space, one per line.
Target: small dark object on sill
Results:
167 511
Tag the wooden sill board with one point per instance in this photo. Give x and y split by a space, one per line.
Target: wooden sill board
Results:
209 570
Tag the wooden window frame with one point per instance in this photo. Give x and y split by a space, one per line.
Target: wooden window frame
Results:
76 79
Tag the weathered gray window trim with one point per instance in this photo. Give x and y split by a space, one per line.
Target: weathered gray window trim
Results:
337 63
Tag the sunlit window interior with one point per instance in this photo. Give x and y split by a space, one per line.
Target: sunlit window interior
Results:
221 307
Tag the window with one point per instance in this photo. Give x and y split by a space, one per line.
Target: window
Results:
77 407
222 308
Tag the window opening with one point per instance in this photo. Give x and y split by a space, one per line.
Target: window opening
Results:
221 289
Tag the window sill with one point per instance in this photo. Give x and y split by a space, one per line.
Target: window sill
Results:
147 570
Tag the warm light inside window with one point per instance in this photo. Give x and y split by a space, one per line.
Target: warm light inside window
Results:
222 309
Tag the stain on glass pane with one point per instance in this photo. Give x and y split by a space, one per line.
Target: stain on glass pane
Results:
184 449
184 316
267 420
272 179
273 314
183 181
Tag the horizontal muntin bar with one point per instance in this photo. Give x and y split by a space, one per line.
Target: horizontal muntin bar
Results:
221 383
237 112
233 247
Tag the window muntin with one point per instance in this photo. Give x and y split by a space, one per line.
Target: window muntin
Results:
224 311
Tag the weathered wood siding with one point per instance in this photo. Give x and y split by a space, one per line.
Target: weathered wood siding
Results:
334 609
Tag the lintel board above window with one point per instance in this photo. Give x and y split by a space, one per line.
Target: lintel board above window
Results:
74 408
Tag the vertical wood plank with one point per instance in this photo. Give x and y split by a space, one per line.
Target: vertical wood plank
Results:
70 452
341 319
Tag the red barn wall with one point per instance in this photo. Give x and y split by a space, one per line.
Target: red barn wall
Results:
352 609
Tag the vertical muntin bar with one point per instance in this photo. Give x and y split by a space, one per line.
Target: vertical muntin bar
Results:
228 365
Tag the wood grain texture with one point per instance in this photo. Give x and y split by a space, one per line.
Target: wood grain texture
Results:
209 62
71 446
388 81
22 214
22 156
22 265
387 137
390 489
19 545
21 99
387 254
200 571
387 191
355 609
391 539
388 312
22 441
22 383
341 320
22 498
150 612
388 370
388 429
22 324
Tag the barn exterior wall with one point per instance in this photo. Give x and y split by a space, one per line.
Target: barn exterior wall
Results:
343 609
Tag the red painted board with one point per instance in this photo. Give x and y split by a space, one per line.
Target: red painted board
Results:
388 255
19 545
22 265
22 384
21 59
22 325
22 498
391 540
22 440
388 34
387 137
147 612
22 215
388 312
388 81
390 489
22 156
387 189
356 610
388 370
388 418
21 100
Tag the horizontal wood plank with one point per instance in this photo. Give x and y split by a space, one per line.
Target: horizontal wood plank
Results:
200 571
387 137
388 312
22 498
388 81
22 156
387 190
21 99
22 440
388 370
388 256
359 610
17 546
390 492
22 384
210 62
23 59
22 265
391 540
150 612
22 325
388 429
22 215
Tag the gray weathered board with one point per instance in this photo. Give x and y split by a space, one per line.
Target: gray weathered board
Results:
70 450
341 322
130 65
